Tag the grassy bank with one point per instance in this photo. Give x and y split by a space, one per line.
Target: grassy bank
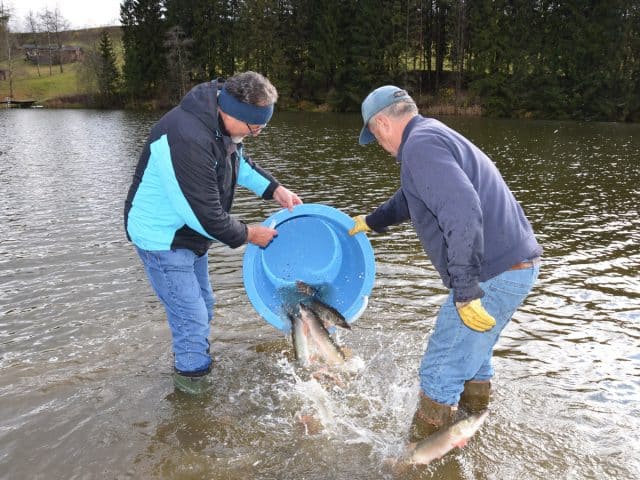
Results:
53 89
43 88
50 87
66 90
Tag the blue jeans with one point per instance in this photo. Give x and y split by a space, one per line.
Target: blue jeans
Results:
455 353
181 281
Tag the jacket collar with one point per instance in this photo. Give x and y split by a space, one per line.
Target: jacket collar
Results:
405 134
202 102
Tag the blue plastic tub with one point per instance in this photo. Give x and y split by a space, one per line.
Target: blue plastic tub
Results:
313 246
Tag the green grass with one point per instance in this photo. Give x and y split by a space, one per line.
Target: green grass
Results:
27 85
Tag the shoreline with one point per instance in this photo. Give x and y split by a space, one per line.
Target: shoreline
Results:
425 108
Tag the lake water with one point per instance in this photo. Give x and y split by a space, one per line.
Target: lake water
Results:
85 358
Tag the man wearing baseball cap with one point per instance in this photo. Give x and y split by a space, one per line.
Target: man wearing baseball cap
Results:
477 237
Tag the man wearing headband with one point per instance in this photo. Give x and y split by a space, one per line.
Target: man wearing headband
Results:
475 233
179 203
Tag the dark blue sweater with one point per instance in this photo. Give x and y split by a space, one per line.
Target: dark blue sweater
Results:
470 224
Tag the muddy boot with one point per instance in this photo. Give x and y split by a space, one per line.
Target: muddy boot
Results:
430 417
193 385
475 396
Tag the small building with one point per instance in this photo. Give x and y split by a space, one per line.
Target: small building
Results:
42 53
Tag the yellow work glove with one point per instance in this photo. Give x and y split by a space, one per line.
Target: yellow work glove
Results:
474 316
360 226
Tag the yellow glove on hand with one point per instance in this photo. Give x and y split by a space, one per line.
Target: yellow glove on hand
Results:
360 226
474 316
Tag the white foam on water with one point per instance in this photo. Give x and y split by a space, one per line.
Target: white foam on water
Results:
370 401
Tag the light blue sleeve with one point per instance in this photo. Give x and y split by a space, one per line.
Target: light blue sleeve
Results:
250 178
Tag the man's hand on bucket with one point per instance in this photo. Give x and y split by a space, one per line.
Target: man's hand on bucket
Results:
360 225
260 235
286 198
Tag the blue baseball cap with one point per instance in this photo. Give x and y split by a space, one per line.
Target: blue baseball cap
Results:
377 100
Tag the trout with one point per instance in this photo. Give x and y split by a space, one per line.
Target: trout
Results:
300 336
328 315
311 340
443 441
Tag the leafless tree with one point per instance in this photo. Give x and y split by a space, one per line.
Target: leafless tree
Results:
87 79
55 24
5 15
46 25
178 60
34 27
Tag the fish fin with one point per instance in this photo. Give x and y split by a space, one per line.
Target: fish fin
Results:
310 424
461 443
344 324
323 375
348 353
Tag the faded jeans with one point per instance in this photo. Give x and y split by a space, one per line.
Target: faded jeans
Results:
181 281
455 353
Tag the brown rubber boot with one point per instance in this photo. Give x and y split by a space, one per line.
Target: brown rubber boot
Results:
475 396
430 417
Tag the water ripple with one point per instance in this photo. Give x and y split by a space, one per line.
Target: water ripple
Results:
85 357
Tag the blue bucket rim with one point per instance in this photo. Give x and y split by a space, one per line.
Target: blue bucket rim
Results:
337 217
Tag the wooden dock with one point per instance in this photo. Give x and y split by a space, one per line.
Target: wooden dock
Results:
13 103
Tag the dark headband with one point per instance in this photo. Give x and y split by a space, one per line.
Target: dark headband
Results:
245 112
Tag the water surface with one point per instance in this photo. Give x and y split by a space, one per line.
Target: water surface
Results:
85 361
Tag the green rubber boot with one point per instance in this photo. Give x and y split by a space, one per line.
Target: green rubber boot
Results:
475 396
192 385
430 417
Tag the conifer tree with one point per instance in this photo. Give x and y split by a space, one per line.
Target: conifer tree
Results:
524 58
143 39
108 75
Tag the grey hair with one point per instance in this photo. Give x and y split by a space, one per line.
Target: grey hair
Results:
253 88
400 109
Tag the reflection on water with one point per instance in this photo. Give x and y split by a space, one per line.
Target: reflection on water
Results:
85 362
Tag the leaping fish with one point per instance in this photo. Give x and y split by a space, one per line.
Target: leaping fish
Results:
328 315
443 441
311 340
